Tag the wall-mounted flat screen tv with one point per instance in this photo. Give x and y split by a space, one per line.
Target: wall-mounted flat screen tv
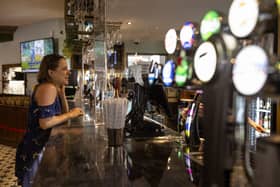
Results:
32 52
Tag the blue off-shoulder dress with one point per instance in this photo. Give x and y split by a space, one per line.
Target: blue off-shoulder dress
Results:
34 139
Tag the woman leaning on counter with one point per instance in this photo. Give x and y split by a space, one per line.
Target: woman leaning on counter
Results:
47 109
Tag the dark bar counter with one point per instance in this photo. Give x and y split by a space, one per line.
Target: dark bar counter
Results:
77 154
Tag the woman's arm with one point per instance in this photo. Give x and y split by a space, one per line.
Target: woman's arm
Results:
49 122
256 126
45 95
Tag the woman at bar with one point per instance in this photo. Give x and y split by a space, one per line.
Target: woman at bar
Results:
47 109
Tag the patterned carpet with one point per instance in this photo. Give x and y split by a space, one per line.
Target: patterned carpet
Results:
7 166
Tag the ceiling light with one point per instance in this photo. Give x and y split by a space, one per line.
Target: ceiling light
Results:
129 23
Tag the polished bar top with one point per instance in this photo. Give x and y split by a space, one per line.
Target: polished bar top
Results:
78 155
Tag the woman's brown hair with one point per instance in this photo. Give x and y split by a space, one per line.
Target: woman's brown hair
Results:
49 62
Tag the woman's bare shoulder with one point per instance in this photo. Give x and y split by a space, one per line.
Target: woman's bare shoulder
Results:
45 94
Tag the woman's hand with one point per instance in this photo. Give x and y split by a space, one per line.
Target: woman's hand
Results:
76 112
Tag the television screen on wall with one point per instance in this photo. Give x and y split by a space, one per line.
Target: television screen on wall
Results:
32 52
